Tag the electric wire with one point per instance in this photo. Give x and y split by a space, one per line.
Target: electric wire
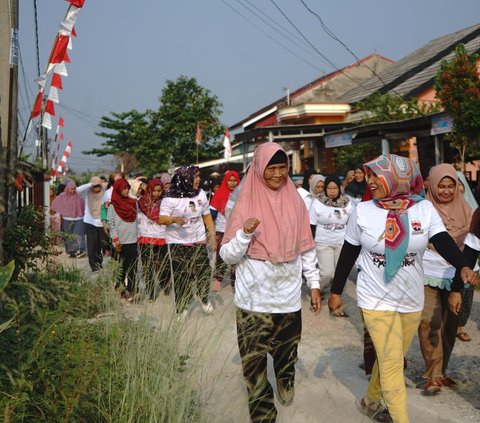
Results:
293 41
273 39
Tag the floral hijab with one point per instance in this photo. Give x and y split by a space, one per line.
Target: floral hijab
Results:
150 206
182 183
403 185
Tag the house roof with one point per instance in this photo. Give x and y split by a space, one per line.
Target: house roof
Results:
410 75
310 86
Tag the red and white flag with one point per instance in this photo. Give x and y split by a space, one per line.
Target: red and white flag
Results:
198 138
37 107
66 153
227 152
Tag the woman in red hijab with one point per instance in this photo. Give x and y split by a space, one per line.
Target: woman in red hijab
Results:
122 219
151 237
217 209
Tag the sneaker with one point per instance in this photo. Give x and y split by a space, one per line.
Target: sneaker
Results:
207 308
376 411
80 254
285 396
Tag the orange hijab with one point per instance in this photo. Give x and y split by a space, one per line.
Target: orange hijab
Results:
284 230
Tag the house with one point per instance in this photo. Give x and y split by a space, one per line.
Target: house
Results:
323 114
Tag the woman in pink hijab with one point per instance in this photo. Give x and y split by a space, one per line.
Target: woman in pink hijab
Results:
71 208
268 238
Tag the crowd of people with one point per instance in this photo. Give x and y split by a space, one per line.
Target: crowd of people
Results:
414 253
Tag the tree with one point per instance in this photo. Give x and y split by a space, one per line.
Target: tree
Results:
183 105
457 87
159 139
126 137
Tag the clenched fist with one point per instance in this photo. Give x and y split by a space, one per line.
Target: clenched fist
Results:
250 225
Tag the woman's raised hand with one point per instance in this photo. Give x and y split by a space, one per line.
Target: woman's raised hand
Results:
250 225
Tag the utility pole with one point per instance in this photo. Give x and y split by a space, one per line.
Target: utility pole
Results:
8 113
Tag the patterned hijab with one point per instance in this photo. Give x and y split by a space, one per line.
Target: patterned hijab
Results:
403 185
182 182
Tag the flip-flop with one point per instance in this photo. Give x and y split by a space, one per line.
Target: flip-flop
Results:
464 336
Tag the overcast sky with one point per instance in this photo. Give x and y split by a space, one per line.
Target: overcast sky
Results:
126 50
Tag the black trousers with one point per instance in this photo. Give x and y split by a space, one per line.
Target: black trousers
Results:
259 334
191 273
156 268
128 258
96 239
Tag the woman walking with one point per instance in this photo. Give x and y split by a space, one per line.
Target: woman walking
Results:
217 207
71 208
438 326
329 215
151 238
269 240
122 220
390 289
186 214
93 193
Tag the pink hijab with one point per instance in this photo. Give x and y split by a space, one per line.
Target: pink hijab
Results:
284 230
69 204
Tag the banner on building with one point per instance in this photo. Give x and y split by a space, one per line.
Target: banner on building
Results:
339 140
441 125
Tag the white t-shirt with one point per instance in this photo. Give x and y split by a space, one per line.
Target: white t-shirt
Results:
330 221
220 221
192 210
307 199
148 228
473 242
405 292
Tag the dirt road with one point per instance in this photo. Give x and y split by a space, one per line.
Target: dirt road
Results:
328 379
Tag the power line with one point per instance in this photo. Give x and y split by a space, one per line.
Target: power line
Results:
335 67
273 39
332 35
274 27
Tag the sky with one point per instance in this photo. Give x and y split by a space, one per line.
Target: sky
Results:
246 52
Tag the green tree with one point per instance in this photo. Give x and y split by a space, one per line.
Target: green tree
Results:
457 87
158 139
127 134
183 105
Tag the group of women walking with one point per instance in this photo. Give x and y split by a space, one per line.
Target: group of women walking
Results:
414 254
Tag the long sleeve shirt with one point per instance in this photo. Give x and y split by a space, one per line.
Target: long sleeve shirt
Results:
265 287
124 232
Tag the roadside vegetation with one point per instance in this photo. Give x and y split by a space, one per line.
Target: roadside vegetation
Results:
67 353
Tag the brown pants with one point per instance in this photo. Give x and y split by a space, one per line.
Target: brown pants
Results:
437 332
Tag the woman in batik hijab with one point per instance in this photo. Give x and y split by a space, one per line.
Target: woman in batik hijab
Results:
189 226
438 327
269 240
390 289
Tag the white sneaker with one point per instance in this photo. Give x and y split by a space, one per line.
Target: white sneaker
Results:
207 308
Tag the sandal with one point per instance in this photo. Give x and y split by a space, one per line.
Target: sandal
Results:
464 336
448 382
432 387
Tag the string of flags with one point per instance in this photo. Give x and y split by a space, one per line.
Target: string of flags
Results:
51 79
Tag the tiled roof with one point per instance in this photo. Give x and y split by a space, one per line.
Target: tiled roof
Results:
409 73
